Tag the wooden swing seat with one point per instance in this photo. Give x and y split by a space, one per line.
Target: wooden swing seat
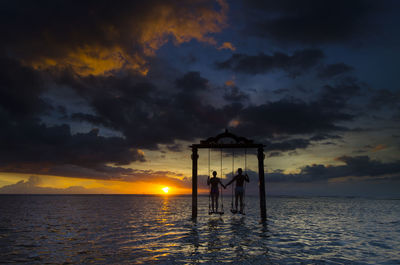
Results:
237 212
214 212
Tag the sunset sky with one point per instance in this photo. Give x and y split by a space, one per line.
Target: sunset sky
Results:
106 96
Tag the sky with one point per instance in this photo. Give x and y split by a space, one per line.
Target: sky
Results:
107 96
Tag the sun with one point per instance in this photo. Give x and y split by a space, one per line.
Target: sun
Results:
165 189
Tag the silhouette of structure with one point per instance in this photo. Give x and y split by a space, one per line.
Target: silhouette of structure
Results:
219 142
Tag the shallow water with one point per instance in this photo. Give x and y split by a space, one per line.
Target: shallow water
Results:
158 230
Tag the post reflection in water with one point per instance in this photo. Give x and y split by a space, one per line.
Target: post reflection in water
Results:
240 234
214 242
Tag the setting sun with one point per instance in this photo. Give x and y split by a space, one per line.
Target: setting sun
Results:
165 189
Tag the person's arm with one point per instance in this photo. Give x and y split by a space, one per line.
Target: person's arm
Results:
229 183
222 184
246 178
208 181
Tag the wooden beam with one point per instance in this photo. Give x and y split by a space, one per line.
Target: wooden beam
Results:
263 207
195 157
218 146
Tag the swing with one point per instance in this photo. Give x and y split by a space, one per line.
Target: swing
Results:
210 209
233 209
235 142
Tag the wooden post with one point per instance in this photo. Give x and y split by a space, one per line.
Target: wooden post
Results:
195 157
263 208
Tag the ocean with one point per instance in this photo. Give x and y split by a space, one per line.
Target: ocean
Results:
130 229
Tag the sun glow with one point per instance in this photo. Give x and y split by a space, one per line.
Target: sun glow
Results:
165 189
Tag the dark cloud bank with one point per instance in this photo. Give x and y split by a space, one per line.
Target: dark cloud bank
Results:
311 21
147 116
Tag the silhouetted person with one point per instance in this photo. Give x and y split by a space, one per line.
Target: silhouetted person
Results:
214 181
239 190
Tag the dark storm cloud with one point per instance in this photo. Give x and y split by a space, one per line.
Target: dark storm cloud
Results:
93 119
288 145
384 98
175 147
290 117
332 70
28 145
338 95
192 81
21 89
275 148
310 21
322 137
145 114
149 115
275 154
358 166
295 64
234 94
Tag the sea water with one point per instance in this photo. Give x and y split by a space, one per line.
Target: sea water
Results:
114 229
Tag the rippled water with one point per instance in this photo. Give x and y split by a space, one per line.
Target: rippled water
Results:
158 230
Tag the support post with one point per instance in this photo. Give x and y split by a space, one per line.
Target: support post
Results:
195 157
261 183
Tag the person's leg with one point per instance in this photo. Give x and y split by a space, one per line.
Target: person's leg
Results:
212 202
241 202
236 201
216 202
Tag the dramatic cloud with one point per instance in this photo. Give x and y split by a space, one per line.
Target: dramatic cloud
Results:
384 98
234 94
288 145
100 37
333 70
20 90
148 115
276 148
358 166
30 147
290 117
310 21
338 95
294 64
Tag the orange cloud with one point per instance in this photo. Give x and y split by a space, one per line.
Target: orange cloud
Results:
230 83
183 26
128 48
227 46
379 147
234 123
94 60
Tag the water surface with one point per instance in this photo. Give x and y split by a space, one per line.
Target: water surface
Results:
103 229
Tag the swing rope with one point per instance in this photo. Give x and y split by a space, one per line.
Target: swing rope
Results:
233 173
222 197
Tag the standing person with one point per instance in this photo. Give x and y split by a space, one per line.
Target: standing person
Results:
214 181
239 190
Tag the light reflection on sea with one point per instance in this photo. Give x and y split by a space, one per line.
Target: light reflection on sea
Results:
157 230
